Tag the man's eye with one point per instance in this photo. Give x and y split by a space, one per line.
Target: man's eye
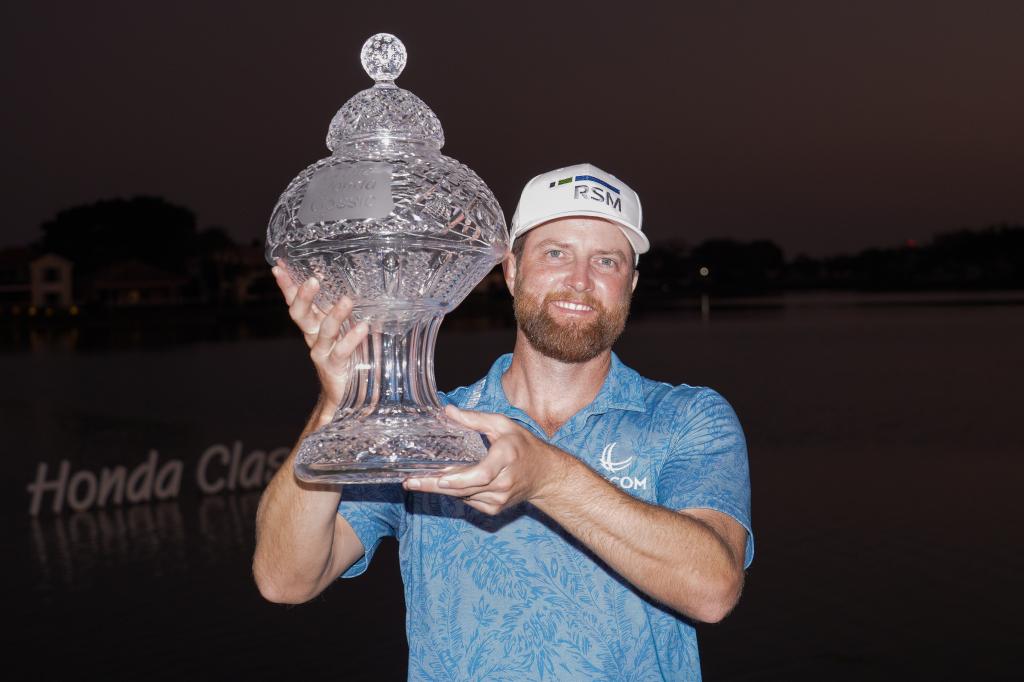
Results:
607 262
554 253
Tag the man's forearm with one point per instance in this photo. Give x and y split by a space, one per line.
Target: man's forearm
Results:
674 558
295 529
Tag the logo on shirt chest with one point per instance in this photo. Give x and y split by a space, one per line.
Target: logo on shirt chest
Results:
616 466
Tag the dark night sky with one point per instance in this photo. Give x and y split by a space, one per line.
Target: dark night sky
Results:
825 126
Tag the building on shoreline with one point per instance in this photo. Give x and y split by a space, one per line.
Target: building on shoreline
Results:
33 281
29 281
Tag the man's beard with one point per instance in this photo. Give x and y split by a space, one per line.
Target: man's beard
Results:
574 341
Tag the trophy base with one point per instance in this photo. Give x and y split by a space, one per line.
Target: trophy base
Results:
353 451
370 472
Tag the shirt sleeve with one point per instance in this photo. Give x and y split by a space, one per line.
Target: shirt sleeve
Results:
375 512
707 463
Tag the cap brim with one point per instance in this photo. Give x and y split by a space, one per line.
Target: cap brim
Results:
636 239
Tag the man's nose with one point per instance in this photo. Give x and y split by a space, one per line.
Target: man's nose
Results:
579 278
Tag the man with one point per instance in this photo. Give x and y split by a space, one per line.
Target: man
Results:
610 512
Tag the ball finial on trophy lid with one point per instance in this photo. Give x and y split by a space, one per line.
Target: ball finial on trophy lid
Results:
383 57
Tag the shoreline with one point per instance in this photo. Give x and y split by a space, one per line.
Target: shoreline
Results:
154 327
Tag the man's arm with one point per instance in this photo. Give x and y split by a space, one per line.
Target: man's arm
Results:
302 543
690 560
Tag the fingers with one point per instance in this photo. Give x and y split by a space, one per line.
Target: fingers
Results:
478 476
284 282
490 499
490 424
331 351
304 311
330 327
431 484
306 316
299 299
425 484
487 474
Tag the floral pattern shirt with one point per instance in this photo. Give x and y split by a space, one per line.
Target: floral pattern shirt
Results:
514 596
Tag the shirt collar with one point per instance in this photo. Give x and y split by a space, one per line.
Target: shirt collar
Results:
622 390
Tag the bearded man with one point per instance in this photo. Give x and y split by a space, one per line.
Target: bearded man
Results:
610 513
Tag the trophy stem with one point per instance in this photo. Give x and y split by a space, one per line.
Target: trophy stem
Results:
401 354
391 424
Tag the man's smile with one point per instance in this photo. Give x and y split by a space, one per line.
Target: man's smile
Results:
574 307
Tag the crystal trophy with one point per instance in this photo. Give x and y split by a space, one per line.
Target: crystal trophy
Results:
406 233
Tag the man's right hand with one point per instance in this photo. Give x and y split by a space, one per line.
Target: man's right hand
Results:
330 350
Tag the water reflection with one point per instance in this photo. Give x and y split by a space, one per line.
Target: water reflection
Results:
227 523
171 327
143 328
69 551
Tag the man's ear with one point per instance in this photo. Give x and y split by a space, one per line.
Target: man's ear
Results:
508 268
636 277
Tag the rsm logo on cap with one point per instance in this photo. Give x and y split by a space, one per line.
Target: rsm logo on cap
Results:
604 192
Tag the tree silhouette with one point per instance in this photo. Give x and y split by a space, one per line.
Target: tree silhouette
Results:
147 229
738 267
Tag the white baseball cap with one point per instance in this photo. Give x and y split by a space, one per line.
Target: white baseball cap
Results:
580 190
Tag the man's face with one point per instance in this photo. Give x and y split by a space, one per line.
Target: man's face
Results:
572 287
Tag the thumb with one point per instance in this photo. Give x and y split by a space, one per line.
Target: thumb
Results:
490 424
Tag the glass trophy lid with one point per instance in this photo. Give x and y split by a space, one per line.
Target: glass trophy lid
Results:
384 113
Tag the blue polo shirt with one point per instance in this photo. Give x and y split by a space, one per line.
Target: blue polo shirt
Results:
514 596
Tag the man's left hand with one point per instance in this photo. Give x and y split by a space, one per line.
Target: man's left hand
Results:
518 467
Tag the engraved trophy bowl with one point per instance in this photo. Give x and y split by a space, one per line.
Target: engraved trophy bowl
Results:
406 233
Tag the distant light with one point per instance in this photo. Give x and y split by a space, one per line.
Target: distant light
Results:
31 310
911 243
73 310
48 311
704 272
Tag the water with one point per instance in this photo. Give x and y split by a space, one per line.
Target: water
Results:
885 459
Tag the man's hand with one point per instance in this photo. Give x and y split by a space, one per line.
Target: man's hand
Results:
518 467
330 350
